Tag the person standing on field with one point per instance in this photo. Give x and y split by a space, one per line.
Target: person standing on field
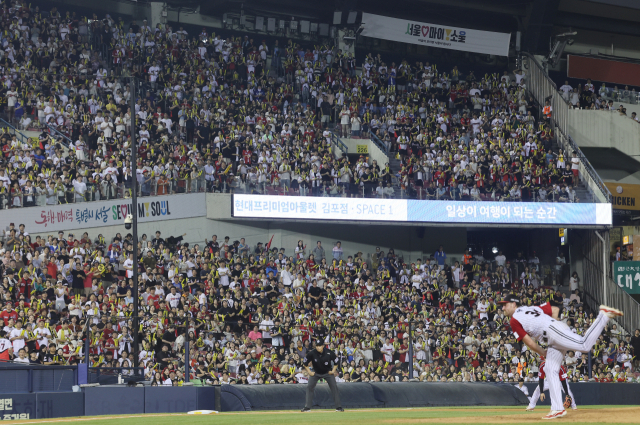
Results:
540 324
325 365
543 385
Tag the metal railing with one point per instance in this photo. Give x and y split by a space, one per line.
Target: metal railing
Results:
69 143
447 194
21 137
379 143
617 297
543 89
103 190
627 96
598 292
631 308
338 143
114 375
595 183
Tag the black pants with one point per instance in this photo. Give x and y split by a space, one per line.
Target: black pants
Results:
311 386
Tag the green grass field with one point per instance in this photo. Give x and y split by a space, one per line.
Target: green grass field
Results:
460 415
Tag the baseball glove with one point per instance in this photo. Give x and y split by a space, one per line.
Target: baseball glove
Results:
567 402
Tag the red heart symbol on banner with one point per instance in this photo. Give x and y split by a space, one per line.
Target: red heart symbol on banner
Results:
124 209
425 30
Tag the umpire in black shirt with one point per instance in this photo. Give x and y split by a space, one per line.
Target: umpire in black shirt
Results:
325 364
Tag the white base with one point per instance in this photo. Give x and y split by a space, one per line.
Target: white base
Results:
201 412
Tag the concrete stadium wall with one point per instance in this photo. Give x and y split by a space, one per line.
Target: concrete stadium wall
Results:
374 151
600 129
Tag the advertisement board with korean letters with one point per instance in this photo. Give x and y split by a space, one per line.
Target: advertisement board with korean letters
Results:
407 210
432 35
52 218
308 207
16 407
626 274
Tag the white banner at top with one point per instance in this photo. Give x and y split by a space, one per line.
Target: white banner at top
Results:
445 37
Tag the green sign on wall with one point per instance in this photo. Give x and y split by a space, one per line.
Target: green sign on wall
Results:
627 275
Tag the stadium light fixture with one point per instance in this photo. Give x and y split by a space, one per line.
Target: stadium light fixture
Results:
259 23
337 17
305 27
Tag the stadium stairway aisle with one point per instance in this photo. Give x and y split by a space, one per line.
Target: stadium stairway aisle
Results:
396 165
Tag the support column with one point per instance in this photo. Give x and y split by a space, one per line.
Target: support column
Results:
157 7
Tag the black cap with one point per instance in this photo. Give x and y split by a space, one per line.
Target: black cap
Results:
509 299
319 341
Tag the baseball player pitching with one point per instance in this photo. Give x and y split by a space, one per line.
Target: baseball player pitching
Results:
543 386
537 324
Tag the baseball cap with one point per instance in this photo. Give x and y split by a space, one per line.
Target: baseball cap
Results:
509 299
319 341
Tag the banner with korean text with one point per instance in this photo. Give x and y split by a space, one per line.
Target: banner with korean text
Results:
309 207
445 37
409 210
52 218
626 274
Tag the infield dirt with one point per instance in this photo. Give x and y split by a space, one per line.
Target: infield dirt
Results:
630 415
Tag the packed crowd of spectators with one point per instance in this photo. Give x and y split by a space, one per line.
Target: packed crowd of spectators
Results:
251 312
602 98
213 115
216 114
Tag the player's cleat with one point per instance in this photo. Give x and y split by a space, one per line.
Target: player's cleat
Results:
554 414
339 409
530 409
305 410
574 408
610 311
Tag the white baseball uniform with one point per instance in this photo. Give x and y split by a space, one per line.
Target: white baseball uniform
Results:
539 325
563 377
5 345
